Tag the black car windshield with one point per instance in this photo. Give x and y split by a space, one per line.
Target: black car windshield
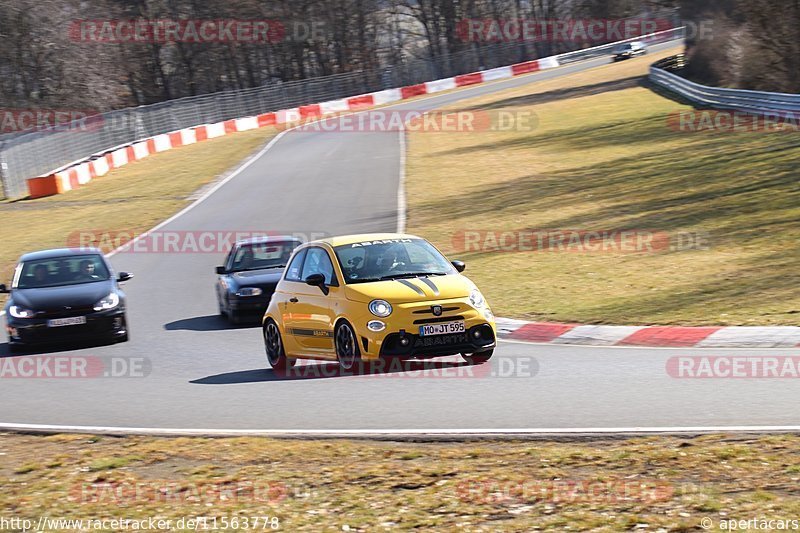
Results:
623 48
391 259
260 256
61 271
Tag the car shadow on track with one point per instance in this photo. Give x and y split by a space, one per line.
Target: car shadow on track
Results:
402 369
207 323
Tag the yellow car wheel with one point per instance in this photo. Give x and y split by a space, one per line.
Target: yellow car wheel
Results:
273 344
347 351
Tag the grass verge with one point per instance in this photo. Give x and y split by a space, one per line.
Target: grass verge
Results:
135 197
664 484
603 157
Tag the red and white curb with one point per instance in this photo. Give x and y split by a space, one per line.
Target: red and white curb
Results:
649 336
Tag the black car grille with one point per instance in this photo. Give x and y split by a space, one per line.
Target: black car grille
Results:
43 334
429 310
439 320
64 312
438 345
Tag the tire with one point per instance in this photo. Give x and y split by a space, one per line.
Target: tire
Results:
478 358
233 318
273 346
347 351
15 349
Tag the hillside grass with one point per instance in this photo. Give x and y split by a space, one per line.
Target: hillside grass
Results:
604 158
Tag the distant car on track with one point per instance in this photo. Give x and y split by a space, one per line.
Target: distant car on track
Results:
251 272
629 50
65 295
368 297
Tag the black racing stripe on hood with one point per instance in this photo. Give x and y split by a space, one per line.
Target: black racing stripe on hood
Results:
430 284
411 286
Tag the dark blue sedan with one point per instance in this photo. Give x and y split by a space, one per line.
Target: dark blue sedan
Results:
252 270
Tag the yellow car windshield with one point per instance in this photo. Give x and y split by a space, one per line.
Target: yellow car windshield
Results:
371 261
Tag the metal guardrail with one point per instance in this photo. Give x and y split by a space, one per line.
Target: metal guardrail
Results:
664 74
37 153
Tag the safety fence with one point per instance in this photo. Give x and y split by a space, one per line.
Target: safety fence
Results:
69 151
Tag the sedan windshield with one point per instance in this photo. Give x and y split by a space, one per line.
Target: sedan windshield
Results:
61 271
391 259
259 256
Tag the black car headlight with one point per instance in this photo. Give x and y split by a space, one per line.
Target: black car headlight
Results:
20 312
247 292
109 302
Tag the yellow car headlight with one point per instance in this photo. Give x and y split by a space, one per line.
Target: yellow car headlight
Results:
476 298
380 308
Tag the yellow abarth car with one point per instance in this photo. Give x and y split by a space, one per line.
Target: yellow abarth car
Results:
367 297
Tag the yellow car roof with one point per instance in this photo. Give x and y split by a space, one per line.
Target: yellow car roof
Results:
368 237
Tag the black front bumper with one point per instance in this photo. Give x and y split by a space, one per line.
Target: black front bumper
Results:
249 306
476 339
99 326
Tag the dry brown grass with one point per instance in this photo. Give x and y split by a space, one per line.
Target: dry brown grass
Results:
667 484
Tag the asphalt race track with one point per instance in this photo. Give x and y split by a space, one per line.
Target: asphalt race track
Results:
203 374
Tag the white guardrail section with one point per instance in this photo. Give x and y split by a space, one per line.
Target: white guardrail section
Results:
753 102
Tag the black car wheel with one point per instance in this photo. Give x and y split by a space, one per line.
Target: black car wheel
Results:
273 344
478 358
347 351
234 319
15 348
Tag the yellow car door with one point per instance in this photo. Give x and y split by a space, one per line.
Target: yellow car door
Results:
311 315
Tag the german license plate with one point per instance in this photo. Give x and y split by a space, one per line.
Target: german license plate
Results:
61 322
446 328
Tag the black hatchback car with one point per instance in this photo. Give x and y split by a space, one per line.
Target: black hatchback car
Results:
65 295
252 270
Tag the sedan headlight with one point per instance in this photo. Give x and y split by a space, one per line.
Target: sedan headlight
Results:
20 312
380 308
476 298
247 292
109 302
